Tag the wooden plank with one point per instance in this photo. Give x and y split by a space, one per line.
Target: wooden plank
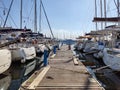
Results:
68 85
39 78
70 88
75 61
24 84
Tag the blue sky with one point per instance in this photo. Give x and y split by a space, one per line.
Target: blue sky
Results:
68 18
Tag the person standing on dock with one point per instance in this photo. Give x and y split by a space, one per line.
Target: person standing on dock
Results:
69 47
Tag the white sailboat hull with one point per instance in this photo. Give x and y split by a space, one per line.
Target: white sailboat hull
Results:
112 60
5 60
29 52
42 47
17 55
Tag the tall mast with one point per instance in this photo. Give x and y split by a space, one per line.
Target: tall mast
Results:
101 10
40 20
118 6
96 13
21 14
35 16
105 11
118 11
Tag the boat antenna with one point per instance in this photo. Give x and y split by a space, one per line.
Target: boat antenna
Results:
8 13
47 19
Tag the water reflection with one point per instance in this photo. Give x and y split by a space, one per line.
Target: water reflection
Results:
5 81
18 73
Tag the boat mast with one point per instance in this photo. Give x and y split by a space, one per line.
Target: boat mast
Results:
105 11
118 11
101 10
40 20
21 14
118 8
96 13
35 16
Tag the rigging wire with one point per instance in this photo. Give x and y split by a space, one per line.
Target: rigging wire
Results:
13 21
1 16
2 20
47 18
29 15
116 4
9 14
108 7
111 10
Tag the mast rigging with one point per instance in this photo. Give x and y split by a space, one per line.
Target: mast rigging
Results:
47 19
8 13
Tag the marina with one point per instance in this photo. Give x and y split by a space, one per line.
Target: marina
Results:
62 73
59 45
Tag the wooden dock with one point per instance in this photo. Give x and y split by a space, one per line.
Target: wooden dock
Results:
64 72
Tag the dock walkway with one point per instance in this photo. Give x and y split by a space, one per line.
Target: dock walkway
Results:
62 74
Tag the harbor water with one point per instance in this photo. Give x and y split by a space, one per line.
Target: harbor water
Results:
18 73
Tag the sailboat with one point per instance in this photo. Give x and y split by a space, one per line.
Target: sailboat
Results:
22 52
5 60
112 58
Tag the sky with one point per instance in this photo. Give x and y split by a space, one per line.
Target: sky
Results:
68 18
